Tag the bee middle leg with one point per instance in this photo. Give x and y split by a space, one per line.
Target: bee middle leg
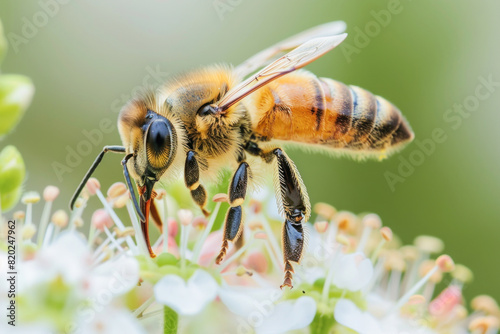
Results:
232 226
192 181
292 197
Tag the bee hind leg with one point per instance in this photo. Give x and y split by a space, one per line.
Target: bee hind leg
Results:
192 181
233 227
292 197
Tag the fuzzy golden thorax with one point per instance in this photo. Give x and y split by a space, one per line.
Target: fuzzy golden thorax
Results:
213 135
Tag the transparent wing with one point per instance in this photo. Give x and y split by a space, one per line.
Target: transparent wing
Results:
295 59
265 56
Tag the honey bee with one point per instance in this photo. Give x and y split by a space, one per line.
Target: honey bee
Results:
211 118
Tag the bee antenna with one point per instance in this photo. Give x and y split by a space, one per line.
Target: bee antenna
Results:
130 188
114 149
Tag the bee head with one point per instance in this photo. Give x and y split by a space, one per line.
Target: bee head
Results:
148 131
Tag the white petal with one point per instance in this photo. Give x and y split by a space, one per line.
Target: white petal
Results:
349 315
116 276
109 321
186 298
309 274
245 301
269 199
288 316
68 257
352 272
378 305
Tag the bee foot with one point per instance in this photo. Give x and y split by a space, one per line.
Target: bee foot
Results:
222 253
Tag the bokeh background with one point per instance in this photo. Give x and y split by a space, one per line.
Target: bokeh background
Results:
89 57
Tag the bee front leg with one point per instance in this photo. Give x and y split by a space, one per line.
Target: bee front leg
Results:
232 226
192 180
292 196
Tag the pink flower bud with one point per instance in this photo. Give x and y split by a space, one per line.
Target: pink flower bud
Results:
101 219
50 193
173 227
93 185
257 262
200 222
116 190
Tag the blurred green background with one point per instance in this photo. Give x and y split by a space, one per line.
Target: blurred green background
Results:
89 57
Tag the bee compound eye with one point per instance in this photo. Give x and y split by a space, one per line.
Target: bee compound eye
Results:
207 109
159 137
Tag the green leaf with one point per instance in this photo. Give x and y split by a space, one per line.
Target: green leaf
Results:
16 93
12 173
3 43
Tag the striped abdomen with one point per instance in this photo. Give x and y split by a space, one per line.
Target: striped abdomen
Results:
302 108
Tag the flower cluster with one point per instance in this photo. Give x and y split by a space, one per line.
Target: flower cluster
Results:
355 276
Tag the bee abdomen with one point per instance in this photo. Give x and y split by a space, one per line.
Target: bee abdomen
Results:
303 108
375 125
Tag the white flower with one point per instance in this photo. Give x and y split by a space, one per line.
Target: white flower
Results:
89 288
288 316
67 257
111 321
186 298
245 300
262 311
70 259
349 315
119 275
352 271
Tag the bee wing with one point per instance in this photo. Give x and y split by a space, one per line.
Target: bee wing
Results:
295 59
265 56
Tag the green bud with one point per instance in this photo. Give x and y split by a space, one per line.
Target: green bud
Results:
12 172
9 200
16 92
3 43
165 259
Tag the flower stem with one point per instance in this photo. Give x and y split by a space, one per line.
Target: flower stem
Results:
115 218
165 226
48 235
206 232
413 290
143 307
44 221
377 250
329 278
183 240
270 235
139 238
236 255
170 320
322 324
